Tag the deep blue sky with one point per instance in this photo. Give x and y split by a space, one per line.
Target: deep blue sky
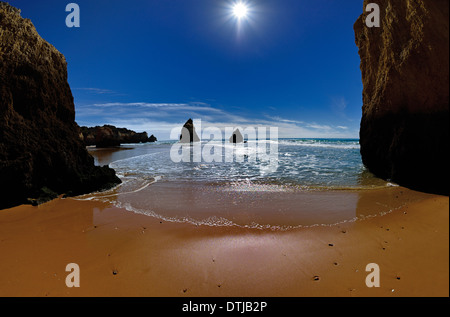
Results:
150 65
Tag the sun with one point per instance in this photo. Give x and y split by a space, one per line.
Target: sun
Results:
240 10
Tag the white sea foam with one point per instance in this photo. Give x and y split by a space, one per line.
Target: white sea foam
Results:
303 165
215 221
323 144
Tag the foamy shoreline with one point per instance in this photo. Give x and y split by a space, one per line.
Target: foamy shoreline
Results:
303 243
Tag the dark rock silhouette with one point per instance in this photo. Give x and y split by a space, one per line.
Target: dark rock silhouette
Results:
236 137
41 153
404 131
152 138
188 133
110 136
105 137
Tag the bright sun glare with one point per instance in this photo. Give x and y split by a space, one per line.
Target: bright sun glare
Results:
240 10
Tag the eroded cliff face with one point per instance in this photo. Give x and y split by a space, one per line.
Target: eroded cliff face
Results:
41 153
404 132
111 136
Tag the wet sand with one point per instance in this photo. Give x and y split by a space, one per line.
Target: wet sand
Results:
125 254
104 156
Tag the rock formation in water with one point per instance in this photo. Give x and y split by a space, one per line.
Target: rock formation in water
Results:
236 137
110 136
404 132
41 153
152 138
188 133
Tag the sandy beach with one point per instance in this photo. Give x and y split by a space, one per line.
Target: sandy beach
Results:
232 149
121 253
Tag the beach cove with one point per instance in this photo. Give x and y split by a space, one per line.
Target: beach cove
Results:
123 253
350 201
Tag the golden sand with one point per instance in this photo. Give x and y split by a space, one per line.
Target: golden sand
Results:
120 253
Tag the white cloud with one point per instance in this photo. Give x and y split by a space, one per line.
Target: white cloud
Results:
279 119
318 126
160 118
96 90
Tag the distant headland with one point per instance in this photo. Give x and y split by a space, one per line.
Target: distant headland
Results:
111 136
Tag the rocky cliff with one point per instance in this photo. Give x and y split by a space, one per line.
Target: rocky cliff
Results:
404 132
188 133
41 154
109 136
237 137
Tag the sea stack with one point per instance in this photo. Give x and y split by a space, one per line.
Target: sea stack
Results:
236 137
41 152
152 139
188 133
404 131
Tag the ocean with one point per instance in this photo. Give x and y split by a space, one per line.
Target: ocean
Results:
306 182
